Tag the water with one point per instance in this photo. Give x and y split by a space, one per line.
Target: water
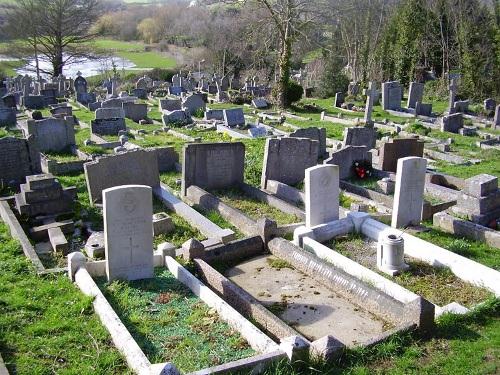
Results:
88 67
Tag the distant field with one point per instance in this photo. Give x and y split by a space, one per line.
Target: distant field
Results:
134 51
10 66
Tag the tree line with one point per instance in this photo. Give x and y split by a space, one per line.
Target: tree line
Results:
335 41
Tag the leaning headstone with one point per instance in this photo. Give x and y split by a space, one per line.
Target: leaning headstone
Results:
170 104
257 131
286 159
321 194
315 134
409 192
193 103
391 95
137 167
213 165
360 136
452 123
128 232
415 94
234 117
214 114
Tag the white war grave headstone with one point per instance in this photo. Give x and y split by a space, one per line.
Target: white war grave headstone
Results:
409 192
321 194
128 232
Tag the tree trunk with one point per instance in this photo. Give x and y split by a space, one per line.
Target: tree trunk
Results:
284 70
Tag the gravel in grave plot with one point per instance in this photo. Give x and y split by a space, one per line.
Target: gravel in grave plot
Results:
308 306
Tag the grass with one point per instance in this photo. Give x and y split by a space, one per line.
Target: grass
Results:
9 67
438 285
254 208
134 51
278 264
171 324
47 325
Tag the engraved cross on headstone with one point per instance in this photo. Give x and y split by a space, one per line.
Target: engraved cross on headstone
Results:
370 98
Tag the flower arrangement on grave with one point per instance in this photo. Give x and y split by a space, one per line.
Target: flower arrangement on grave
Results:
362 169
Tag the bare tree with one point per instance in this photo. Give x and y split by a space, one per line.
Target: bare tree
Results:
58 30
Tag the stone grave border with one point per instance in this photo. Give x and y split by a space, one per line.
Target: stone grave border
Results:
81 272
17 232
57 168
463 268
326 347
247 225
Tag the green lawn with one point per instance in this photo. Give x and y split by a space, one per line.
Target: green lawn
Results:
47 326
9 67
134 51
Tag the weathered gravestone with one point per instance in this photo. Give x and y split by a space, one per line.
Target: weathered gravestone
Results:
170 104
316 134
135 111
213 165
409 192
321 194
51 134
18 158
260 103
128 232
360 136
34 102
345 158
489 104
461 106
9 101
496 119
193 103
175 90
423 109
108 121
214 114
370 93
391 95
286 159
112 103
339 99
137 167
234 117
452 123
395 149
43 195
415 94
7 116
49 95
257 131
479 201
61 111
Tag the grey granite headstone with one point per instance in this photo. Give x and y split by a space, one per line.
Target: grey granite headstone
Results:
213 165
52 134
135 111
452 123
18 158
138 167
234 117
286 159
391 95
360 136
346 157
415 94
316 134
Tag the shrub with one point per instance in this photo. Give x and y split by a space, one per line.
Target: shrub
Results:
293 93
158 74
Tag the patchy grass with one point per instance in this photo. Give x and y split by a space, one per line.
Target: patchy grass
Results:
9 67
47 326
438 285
171 324
278 263
475 250
254 208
